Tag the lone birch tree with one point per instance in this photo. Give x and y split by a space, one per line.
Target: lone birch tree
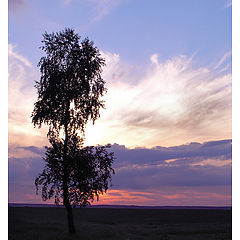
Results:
69 95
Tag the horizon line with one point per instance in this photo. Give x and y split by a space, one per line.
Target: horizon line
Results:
120 206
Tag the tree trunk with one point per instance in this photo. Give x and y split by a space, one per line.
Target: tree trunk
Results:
66 202
71 227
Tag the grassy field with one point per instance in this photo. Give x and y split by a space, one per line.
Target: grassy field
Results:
32 223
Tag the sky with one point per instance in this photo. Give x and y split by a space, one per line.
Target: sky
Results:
168 108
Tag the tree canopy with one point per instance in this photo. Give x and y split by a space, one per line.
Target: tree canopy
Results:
71 85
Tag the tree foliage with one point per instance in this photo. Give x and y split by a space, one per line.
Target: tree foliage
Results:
89 172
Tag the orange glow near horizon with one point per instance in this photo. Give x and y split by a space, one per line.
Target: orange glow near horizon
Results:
166 196
162 197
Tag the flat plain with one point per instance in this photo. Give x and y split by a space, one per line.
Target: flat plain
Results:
36 223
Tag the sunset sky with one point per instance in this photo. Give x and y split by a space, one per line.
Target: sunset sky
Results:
169 102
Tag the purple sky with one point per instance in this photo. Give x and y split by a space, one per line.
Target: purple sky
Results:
168 109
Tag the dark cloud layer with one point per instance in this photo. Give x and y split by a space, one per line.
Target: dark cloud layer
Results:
155 177
192 152
143 169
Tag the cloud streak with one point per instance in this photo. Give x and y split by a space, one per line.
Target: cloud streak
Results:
101 8
223 59
171 196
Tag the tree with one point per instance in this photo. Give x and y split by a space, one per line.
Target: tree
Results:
69 95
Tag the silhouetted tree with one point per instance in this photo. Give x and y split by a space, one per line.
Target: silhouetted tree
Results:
69 94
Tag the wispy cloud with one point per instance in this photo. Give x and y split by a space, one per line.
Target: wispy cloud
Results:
98 8
171 102
103 7
12 53
21 97
162 103
223 59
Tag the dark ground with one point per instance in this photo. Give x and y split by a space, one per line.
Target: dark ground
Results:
32 223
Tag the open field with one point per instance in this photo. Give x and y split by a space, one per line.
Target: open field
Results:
33 223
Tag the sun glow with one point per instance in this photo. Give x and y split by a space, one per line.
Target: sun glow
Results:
94 134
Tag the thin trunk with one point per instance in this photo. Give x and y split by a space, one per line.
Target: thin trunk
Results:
71 227
66 202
